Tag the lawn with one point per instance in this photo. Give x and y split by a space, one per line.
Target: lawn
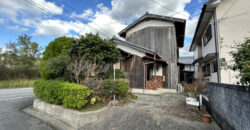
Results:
16 83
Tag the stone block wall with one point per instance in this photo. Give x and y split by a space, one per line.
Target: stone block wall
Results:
229 105
153 85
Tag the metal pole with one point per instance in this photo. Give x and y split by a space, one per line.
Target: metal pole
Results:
154 67
114 84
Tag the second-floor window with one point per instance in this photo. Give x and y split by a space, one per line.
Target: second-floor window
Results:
208 35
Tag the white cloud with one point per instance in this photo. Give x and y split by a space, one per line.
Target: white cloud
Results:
190 26
84 15
103 20
111 21
185 51
2 21
13 8
57 27
104 24
17 28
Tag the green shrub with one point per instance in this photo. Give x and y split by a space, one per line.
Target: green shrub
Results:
55 58
57 47
122 87
48 90
119 88
241 64
75 96
71 95
54 67
118 74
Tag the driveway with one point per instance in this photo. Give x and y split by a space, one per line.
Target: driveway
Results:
11 118
148 112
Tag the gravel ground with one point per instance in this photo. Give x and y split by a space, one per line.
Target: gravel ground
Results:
166 105
148 112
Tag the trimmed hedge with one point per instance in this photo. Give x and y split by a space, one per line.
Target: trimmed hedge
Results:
70 95
119 88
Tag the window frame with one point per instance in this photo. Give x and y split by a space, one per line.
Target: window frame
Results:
215 66
207 36
207 69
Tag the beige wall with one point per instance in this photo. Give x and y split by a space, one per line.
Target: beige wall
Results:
210 46
149 23
233 26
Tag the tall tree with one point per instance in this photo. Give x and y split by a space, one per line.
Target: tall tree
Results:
21 58
55 58
93 47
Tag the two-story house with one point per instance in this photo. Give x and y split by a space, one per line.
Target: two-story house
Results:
221 25
186 69
149 52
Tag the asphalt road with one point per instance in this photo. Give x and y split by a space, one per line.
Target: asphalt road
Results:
11 118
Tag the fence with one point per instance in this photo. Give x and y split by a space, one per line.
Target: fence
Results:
229 105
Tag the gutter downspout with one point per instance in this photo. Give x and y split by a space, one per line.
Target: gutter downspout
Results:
216 45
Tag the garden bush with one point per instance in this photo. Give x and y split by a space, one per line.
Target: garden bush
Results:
49 90
75 96
119 88
118 74
55 58
54 67
70 95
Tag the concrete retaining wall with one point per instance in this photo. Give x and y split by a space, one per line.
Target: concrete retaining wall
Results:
229 105
75 118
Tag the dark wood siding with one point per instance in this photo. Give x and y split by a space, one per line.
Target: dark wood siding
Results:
160 39
134 68
137 80
163 41
165 83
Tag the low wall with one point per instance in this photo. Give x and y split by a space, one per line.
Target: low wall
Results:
229 105
73 117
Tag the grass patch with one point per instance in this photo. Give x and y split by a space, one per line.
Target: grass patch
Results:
132 97
16 83
93 107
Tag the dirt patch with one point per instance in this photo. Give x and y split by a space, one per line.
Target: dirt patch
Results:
183 111
167 105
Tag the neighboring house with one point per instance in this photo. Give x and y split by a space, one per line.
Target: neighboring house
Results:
221 24
186 69
150 51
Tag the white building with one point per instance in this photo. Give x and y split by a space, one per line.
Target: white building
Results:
221 25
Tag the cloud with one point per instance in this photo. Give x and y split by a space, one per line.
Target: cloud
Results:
84 15
130 9
12 9
2 21
104 24
122 13
185 51
17 28
106 21
191 25
57 27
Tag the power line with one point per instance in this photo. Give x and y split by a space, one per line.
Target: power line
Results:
229 9
191 7
74 9
175 12
51 13
165 6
